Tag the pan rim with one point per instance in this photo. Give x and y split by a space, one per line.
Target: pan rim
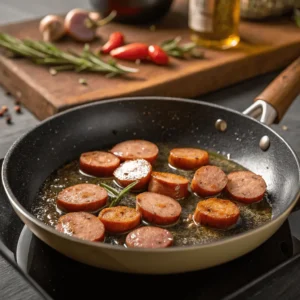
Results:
18 206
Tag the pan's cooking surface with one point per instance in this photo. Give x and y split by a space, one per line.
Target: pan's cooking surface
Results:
185 232
158 119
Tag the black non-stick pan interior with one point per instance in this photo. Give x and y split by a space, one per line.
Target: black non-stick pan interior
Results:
177 121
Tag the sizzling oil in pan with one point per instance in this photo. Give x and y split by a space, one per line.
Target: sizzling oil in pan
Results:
185 232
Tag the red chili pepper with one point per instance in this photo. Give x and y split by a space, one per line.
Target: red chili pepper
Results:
116 39
158 55
132 51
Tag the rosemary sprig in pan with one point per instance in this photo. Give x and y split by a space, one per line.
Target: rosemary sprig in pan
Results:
118 195
44 53
112 191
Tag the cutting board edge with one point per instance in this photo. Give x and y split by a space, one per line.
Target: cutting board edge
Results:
17 85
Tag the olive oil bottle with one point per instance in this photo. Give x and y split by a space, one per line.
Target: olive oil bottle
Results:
214 23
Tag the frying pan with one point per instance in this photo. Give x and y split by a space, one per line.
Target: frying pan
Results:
100 125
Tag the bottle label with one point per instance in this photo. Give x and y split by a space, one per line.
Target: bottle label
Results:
201 15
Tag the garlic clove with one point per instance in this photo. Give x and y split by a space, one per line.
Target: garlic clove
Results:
52 28
79 26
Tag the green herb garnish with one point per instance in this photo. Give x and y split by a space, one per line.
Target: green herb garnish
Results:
110 189
173 48
44 53
118 195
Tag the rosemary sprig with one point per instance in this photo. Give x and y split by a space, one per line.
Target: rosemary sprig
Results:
44 53
173 48
118 195
110 189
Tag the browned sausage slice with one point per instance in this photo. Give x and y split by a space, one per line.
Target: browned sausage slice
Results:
119 219
81 225
246 186
149 237
98 163
132 170
135 149
168 184
158 209
82 197
188 158
217 213
208 181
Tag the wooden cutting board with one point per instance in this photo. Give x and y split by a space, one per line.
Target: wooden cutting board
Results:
265 46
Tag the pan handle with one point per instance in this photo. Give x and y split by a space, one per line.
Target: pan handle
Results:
277 97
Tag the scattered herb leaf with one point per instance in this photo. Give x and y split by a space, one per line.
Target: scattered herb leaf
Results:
174 48
197 53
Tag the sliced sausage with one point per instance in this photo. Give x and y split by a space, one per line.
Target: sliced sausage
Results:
188 158
119 219
208 181
246 186
158 209
82 197
82 225
132 170
149 237
135 149
217 213
172 185
98 163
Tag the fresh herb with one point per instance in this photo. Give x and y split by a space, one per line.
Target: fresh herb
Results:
44 53
197 53
113 192
173 48
116 194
